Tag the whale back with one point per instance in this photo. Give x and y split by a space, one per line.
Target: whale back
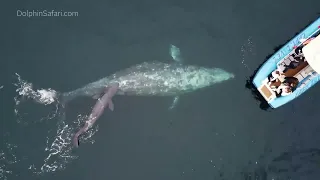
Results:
156 79
163 79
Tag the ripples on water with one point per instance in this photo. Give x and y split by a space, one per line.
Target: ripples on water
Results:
58 149
247 52
7 158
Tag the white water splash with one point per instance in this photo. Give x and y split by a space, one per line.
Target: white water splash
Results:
7 158
1 87
59 147
42 96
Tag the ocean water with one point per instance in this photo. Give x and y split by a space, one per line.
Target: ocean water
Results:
215 133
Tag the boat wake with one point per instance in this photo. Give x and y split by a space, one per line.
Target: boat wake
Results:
57 146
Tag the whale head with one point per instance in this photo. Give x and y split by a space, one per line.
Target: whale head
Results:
210 76
199 77
219 75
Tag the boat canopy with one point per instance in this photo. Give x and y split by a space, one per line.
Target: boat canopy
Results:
312 53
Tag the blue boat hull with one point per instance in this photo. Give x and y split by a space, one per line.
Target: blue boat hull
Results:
271 64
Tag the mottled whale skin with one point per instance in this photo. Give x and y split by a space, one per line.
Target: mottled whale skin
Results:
155 79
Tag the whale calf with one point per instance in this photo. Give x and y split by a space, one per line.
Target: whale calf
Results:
105 100
147 79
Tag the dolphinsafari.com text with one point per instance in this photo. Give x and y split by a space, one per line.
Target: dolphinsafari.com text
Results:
46 13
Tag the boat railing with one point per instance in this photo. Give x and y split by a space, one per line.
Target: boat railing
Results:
314 34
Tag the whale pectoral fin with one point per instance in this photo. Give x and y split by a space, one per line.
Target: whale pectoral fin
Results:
174 103
175 54
111 105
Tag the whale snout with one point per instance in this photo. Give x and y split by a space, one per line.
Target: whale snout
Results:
231 75
222 75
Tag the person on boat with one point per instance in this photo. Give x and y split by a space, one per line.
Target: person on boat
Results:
294 63
283 90
276 76
287 86
292 82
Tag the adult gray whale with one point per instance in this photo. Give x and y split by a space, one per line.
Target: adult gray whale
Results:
155 79
147 79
